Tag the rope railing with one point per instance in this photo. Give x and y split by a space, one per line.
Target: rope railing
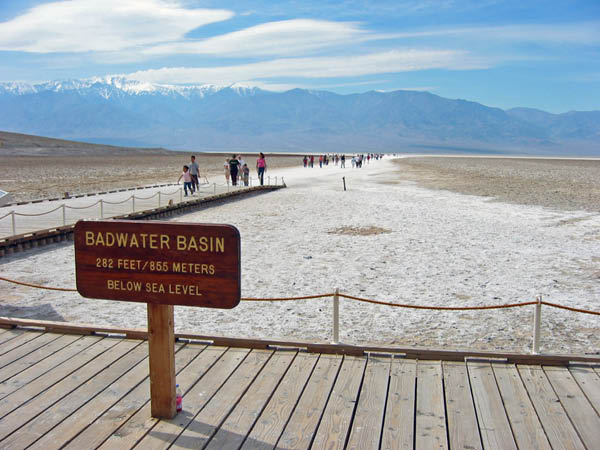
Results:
83 207
442 308
118 203
359 299
38 214
336 314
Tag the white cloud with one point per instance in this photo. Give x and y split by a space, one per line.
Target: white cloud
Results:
102 25
316 67
273 38
583 33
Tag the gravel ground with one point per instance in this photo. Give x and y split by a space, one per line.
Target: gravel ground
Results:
34 177
569 185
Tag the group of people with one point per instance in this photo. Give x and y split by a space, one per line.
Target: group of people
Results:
236 169
357 160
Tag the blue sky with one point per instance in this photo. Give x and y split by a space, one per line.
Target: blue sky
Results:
533 53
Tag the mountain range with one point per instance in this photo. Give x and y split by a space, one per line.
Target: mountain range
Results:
118 111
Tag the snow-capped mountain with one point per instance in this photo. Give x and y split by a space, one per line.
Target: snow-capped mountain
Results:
117 110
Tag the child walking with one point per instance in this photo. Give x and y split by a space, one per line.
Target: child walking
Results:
187 180
246 174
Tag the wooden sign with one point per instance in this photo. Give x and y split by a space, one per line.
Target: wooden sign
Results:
168 263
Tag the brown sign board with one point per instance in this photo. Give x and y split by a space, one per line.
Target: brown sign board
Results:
168 263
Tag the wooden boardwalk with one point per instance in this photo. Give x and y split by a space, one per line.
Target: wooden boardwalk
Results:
82 392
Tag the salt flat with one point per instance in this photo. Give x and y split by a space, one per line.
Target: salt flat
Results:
435 247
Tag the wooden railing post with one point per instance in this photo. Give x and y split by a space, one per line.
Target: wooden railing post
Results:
336 317
537 320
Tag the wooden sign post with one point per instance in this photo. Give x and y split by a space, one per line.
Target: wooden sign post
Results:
161 264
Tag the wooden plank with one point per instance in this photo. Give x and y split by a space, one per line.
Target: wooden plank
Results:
161 340
49 368
583 416
527 429
556 423
203 386
589 382
84 390
370 411
36 356
10 334
493 422
206 423
16 342
334 427
129 419
299 431
238 424
398 428
90 411
40 403
463 430
270 424
430 420
28 347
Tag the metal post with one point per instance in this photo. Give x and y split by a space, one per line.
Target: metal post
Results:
133 203
101 209
64 214
275 181
159 199
14 225
336 317
537 319
180 194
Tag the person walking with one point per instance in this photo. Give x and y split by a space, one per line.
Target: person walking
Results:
226 167
234 166
194 171
261 167
245 174
187 180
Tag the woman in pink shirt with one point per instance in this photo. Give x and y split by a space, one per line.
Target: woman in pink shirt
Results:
261 166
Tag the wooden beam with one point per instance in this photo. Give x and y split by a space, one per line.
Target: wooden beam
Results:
315 347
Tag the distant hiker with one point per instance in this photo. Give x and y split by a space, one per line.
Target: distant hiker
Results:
353 162
226 167
261 167
194 173
312 161
234 166
343 161
245 174
187 180
305 161
321 161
